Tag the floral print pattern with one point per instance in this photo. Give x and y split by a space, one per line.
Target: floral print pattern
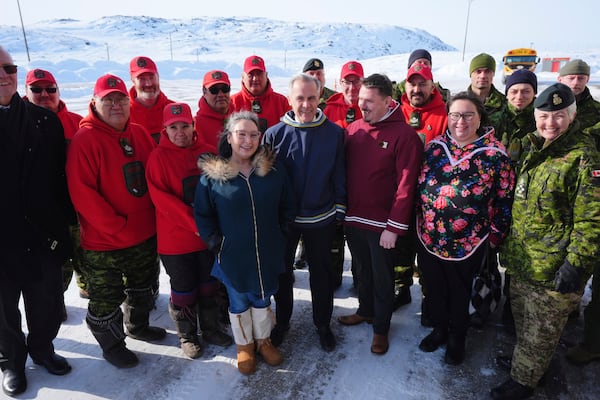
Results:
464 195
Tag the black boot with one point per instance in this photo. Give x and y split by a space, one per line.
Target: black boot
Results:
425 317
511 390
212 333
435 339
455 348
401 296
186 324
136 310
109 333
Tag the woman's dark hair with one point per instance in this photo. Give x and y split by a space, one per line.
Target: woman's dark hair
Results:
223 147
469 96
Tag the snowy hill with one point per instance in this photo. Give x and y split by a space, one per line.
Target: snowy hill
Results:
109 43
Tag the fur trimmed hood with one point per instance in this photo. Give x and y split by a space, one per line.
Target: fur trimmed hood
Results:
223 169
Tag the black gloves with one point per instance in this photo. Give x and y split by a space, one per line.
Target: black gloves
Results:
567 278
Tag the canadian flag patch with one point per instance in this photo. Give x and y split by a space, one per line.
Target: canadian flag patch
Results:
596 173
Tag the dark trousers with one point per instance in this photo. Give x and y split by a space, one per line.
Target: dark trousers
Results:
317 242
43 299
375 268
448 285
188 272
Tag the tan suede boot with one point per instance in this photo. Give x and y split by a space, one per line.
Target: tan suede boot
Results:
262 323
241 326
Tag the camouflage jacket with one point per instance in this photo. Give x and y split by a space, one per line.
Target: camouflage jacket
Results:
496 107
327 93
556 209
518 124
588 110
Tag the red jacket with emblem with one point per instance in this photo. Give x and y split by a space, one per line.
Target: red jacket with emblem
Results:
434 118
108 187
209 123
336 110
150 118
273 105
172 175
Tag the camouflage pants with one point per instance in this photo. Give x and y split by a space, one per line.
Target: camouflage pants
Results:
109 273
591 315
540 315
73 264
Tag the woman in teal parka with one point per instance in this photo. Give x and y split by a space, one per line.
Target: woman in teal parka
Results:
242 206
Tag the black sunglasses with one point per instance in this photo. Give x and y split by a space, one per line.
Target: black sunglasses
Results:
215 89
10 69
38 90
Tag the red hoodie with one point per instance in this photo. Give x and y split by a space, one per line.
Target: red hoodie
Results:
272 105
209 123
150 118
336 110
172 176
108 188
434 118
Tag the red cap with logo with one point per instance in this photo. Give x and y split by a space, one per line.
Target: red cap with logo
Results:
421 70
352 68
107 84
177 112
142 64
213 77
39 75
253 63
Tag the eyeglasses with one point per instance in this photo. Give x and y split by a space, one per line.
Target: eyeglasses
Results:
456 116
112 101
215 89
10 69
355 83
38 90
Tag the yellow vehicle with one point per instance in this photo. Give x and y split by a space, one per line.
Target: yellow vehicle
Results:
519 59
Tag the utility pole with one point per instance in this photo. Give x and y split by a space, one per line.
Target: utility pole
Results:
23 28
466 28
107 53
171 45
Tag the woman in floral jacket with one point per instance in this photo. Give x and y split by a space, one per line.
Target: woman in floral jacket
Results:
464 200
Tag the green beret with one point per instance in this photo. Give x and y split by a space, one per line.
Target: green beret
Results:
482 60
554 98
575 67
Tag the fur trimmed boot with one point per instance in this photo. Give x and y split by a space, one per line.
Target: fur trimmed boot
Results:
109 333
262 323
212 333
186 324
241 325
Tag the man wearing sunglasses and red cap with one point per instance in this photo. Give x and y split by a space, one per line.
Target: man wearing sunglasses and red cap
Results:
213 107
35 242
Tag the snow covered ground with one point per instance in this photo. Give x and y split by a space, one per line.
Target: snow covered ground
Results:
351 371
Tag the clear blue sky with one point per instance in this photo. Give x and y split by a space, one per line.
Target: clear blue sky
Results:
493 25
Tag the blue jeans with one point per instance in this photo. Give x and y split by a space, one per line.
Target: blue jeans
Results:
240 302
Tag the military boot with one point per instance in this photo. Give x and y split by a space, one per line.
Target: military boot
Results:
212 333
136 310
109 333
186 324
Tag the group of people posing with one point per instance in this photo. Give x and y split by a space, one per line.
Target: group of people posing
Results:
222 199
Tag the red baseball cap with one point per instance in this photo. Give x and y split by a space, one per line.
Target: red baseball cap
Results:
253 63
352 68
107 84
39 75
177 112
421 70
142 64
213 77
